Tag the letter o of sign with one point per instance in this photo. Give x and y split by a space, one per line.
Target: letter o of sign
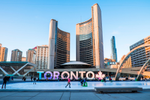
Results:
88 74
62 75
47 73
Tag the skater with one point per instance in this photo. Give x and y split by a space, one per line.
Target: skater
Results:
104 79
68 83
82 82
34 80
85 83
5 79
12 78
110 79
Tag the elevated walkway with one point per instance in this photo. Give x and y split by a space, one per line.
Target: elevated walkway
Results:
12 64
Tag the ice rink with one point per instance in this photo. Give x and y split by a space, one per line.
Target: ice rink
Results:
76 85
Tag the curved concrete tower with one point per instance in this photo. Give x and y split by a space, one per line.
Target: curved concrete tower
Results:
89 39
59 46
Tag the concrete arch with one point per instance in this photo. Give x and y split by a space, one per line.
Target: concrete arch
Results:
125 58
142 69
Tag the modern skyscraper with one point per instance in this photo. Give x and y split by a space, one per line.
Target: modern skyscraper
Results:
3 53
31 55
113 48
42 57
59 46
141 55
89 39
16 55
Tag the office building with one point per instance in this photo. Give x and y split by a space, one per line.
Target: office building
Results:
31 55
42 57
89 40
59 46
16 55
3 53
113 48
141 55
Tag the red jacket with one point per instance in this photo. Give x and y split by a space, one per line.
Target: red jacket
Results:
68 80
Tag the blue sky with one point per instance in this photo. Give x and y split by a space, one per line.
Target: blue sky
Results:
24 24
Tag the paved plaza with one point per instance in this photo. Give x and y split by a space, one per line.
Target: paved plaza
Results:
144 95
16 91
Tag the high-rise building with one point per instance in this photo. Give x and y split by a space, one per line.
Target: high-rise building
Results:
113 48
89 39
3 53
141 55
16 55
59 46
42 57
31 55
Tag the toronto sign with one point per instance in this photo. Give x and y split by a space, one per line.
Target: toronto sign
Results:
56 74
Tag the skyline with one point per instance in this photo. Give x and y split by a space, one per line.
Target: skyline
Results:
124 26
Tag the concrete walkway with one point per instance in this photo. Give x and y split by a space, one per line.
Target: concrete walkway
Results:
144 95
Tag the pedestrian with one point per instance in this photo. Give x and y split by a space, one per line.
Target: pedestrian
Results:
24 78
5 79
38 79
68 83
31 78
34 80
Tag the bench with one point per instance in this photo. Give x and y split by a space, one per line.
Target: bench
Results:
117 89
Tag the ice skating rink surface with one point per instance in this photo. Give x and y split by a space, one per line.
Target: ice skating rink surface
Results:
76 85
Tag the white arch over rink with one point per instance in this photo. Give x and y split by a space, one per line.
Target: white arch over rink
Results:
119 70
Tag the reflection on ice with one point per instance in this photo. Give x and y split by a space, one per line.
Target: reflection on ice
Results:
75 85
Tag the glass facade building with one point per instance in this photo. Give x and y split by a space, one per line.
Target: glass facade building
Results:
89 39
141 55
113 48
59 46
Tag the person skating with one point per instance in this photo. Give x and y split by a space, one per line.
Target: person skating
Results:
110 79
104 79
5 79
68 83
34 80
85 83
82 82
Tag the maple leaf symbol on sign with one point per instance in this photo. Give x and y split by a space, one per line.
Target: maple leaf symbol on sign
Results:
100 75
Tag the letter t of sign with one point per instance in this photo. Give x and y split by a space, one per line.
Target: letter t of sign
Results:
82 72
40 74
